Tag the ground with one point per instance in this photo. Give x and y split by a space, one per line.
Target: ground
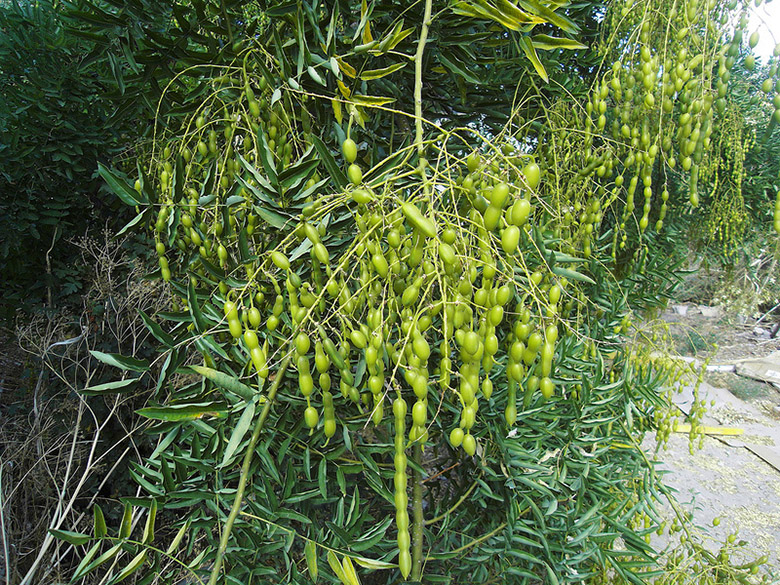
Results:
734 478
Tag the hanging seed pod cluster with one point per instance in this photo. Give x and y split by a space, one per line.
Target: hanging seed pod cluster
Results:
649 123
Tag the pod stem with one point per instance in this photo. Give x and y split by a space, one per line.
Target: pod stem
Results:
417 514
245 474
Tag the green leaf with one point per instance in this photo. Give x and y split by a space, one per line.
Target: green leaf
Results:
99 522
457 68
120 361
74 538
133 222
316 76
242 426
178 538
322 478
310 549
121 186
149 527
82 566
572 274
226 382
268 190
333 168
135 564
272 218
194 308
530 52
110 387
126 526
156 330
106 556
245 255
180 412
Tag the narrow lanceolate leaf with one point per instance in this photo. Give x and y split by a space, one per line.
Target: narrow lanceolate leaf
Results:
530 52
120 361
225 382
379 73
86 560
181 412
335 565
121 186
178 538
371 100
106 556
135 564
373 564
126 526
157 331
572 274
110 387
149 528
194 308
506 14
548 43
549 15
242 426
311 559
333 168
99 522
349 571
74 538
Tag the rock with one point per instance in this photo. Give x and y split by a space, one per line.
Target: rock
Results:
761 332
710 311
680 310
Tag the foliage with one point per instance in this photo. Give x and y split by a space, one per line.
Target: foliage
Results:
58 118
462 272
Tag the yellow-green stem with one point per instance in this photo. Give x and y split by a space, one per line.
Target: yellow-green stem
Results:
417 510
236 509
418 66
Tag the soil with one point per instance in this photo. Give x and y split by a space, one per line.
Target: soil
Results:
734 478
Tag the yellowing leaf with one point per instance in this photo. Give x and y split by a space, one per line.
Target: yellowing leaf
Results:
547 43
373 564
530 52
367 38
391 41
547 15
346 68
335 565
506 13
349 571
372 100
379 73
311 559
345 91
337 110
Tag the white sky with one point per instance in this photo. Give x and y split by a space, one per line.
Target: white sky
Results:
765 19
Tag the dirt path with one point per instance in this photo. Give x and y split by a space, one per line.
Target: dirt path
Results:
733 478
